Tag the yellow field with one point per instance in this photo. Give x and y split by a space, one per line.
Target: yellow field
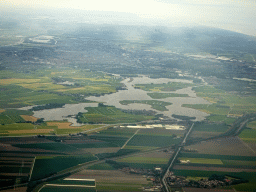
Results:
29 118
91 79
36 131
2 110
39 86
17 81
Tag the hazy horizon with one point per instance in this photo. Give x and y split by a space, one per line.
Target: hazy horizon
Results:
237 16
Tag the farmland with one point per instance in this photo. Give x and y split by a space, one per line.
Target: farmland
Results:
203 161
45 166
45 86
109 115
155 104
223 103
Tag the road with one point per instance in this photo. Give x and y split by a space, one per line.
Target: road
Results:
174 157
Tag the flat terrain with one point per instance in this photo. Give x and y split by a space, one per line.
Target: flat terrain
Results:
223 146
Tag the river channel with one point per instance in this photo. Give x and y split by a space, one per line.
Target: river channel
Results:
132 94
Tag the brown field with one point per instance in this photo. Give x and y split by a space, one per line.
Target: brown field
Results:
110 176
2 110
205 190
203 168
29 118
223 146
157 154
102 150
13 81
19 189
36 131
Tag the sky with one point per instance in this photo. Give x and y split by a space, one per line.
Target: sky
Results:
234 15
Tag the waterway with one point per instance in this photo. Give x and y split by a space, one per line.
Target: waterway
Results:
132 94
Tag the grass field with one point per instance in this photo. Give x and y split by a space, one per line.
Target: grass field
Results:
248 135
115 140
221 157
171 86
13 116
146 160
109 115
23 89
224 103
203 161
101 166
44 166
165 95
252 125
158 105
54 146
152 141
221 118
205 127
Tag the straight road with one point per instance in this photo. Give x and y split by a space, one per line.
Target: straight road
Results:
174 157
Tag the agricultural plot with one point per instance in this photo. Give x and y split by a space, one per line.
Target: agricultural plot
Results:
117 141
18 129
206 127
221 118
202 161
161 132
153 141
13 116
252 125
54 146
155 104
113 180
171 86
165 95
223 146
146 160
101 166
109 115
20 89
223 103
46 165
248 135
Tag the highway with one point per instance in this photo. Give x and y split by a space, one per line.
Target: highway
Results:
174 157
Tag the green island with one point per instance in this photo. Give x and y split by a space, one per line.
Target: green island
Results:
165 95
155 104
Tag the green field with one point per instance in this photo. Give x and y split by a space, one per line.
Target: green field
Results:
46 86
58 147
158 105
152 141
45 166
221 118
117 141
203 161
165 95
101 166
248 135
221 157
146 160
239 163
170 86
252 125
109 115
13 116
206 127
224 103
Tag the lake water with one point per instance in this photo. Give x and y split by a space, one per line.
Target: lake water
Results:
132 94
